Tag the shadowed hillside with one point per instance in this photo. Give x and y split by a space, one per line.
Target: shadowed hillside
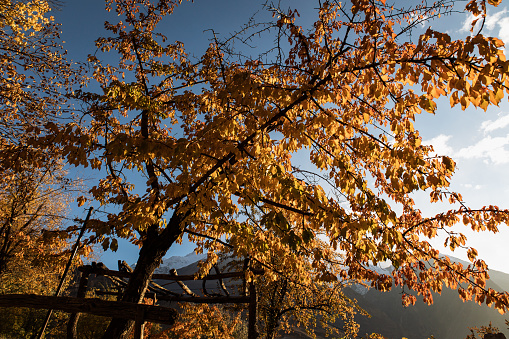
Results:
447 318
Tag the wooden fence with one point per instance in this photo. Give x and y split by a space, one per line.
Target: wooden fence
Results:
140 313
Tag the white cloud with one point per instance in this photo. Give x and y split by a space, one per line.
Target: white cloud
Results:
423 20
439 144
504 30
492 149
470 186
489 125
493 21
467 23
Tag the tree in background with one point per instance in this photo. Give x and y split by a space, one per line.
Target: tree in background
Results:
286 299
33 208
36 82
23 277
33 202
285 303
35 79
316 134
205 321
482 331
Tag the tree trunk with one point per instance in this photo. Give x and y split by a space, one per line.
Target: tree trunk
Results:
154 248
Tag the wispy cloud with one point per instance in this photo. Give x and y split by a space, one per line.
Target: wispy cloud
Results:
423 20
470 186
494 21
467 23
439 144
488 148
489 125
504 30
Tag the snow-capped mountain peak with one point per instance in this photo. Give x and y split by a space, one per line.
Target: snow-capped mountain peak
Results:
177 262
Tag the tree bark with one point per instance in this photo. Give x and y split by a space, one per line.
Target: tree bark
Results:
154 248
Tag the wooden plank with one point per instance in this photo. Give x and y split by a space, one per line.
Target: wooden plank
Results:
105 308
197 300
72 324
102 271
183 286
252 330
139 325
207 300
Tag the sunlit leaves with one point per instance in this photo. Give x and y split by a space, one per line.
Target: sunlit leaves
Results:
198 321
36 82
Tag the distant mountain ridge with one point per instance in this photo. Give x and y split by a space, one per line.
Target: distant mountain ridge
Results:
448 318
177 262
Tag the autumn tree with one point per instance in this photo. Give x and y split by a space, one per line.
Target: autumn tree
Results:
36 81
35 78
285 302
22 276
204 321
32 202
316 134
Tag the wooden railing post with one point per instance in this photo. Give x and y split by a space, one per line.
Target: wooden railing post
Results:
139 324
252 328
64 275
72 324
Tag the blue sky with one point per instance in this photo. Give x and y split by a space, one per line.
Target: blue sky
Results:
478 141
